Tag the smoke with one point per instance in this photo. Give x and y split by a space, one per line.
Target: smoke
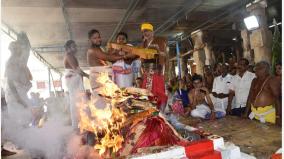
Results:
76 149
49 141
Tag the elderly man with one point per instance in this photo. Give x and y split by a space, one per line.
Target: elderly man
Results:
18 80
263 100
150 41
241 83
220 90
74 79
153 78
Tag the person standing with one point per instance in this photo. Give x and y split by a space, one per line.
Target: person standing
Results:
150 41
153 77
241 83
263 100
74 79
122 69
97 58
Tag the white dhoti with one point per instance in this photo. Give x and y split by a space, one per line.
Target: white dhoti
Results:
75 85
200 111
94 74
220 104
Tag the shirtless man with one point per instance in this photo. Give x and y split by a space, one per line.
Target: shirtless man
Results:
74 79
200 105
263 98
96 57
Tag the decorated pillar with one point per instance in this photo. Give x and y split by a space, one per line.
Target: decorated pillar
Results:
198 54
260 38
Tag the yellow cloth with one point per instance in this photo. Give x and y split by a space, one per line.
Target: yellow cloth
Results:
269 117
147 26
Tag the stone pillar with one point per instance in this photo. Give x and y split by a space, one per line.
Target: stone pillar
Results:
246 45
208 54
198 54
261 38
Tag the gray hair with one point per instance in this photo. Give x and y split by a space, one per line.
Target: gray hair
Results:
265 64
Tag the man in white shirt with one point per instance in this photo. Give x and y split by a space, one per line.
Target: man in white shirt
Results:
240 87
220 91
122 69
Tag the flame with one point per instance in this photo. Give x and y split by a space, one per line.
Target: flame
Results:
105 123
109 88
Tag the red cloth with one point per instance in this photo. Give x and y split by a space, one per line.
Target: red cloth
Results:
158 88
157 133
199 147
276 156
208 155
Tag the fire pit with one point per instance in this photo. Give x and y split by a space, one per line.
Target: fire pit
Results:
128 122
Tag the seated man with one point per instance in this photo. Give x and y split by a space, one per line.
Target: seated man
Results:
263 100
200 104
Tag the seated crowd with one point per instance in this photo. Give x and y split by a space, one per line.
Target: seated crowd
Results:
227 90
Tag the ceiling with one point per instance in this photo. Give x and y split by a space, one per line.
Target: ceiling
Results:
49 23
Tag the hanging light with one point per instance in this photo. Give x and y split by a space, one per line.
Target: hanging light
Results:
251 22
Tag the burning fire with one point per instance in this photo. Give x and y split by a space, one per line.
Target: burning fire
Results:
105 123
